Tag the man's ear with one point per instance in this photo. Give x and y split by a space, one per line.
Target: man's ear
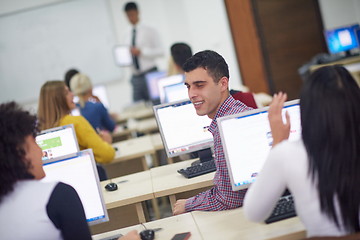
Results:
224 82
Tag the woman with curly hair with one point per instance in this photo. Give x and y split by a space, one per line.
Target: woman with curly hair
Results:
29 208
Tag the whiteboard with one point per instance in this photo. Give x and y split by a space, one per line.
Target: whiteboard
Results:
41 44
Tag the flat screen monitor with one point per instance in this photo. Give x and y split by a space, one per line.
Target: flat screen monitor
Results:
152 79
57 143
181 129
176 92
342 39
167 81
247 139
80 172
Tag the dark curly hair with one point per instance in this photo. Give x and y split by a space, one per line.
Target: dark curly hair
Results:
15 125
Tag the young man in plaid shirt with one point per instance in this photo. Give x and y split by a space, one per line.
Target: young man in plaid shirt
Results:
207 80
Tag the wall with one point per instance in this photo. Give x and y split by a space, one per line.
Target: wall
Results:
175 20
201 23
337 13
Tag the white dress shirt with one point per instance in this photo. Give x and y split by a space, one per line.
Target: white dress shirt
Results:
149 43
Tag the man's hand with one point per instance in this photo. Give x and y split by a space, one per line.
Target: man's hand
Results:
135 51
179 207
280 131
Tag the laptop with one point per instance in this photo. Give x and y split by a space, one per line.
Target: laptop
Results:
58 142
247 140
79 171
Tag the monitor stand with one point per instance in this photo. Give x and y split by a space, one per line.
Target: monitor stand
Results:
204 155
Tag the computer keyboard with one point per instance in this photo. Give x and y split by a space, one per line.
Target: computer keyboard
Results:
199 169
284 209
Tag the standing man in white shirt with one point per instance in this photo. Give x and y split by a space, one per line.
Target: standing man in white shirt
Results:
145 47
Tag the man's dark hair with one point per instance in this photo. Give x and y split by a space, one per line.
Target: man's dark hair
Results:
68 75
211 61
130 6
15 125
180 52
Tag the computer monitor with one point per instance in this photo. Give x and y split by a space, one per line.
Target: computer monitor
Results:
176 92
167 81
342 39
247 139
58 142
181 129
80 172
152 79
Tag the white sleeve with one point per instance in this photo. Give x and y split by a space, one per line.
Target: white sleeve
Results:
269 186
154 47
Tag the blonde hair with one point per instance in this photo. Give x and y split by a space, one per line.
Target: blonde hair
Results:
80 85
52 104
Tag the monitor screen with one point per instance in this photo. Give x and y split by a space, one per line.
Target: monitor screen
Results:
181 129
176 92
167 81
58 142
152 79
342 39
247 139
80 173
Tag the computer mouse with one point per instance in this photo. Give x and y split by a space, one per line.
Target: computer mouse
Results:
147 234
111 186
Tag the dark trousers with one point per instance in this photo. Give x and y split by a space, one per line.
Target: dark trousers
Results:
139 86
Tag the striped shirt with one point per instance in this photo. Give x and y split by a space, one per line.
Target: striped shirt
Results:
220 196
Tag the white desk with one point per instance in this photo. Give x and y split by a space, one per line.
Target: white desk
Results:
227 225
167 181
138 113
134 148
132 189
232 224
170 226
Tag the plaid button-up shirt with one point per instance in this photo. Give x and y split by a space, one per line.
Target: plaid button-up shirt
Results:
220 196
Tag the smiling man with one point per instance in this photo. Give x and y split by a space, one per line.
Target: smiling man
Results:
207 80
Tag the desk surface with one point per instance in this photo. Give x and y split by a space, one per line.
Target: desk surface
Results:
229 225
232 224
345 61
132 188
157 141
140 113
167 181
133 148
170 226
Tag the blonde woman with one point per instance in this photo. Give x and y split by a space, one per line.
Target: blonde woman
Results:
90 106
55 105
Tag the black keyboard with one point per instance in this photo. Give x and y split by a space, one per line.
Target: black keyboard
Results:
284 209
199 169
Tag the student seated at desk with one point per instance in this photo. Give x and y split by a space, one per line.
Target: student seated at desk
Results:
29 208
91 108
207 80
322 169
55 105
